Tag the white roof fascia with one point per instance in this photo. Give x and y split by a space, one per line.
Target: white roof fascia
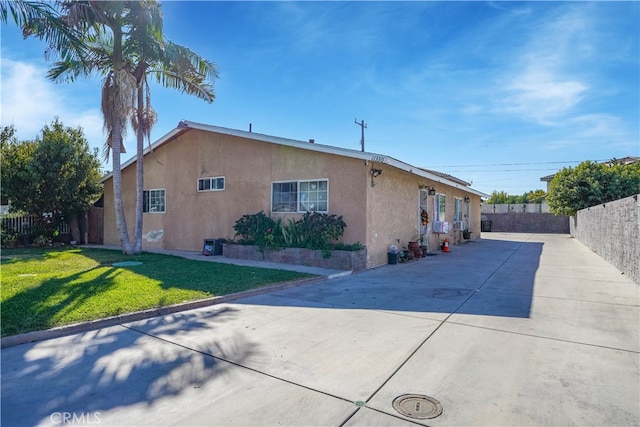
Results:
346 152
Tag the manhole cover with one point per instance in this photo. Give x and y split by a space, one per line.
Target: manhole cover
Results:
417 406
126 263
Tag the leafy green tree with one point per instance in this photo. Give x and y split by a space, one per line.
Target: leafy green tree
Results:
590 184
497 197
536 196
501 197
15 158
56 173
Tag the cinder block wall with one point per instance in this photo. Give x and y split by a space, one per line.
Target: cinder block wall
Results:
612 230
527 222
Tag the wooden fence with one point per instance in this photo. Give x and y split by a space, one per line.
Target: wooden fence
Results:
24 223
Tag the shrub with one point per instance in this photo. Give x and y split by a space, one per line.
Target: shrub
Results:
354 247
257 229
320 231
312 231
41 240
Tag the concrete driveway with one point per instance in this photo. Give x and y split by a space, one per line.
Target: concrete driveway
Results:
515 329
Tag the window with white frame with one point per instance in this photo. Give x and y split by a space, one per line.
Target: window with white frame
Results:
457 213
211 184
300 196
440 207
314 196
154 201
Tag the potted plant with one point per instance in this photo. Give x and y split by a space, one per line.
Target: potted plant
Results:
414 247
466 234
423 245
11 237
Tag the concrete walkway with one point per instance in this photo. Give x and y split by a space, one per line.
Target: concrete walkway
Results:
515 329
198 256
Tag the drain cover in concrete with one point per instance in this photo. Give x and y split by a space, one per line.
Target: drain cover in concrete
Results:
126 263
417 406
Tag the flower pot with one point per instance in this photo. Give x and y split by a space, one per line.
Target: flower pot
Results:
414 247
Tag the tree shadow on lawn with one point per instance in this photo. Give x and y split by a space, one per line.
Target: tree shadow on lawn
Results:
114 367
94 293
40 307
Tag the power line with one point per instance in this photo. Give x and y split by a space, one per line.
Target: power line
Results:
514 164
501 170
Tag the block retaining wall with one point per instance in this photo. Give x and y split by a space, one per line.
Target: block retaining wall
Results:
612 230
527 222
339 260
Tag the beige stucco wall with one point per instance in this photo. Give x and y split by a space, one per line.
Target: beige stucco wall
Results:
394 212
249 168
375 216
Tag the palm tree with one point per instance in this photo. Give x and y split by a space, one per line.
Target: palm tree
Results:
175 67
103 25
126 44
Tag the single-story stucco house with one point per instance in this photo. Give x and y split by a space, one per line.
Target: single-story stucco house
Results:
199 179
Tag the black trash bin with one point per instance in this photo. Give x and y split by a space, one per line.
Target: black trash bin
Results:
207 246
212 246
392 257
485 226
217 247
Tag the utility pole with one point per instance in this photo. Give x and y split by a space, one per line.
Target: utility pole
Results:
363 126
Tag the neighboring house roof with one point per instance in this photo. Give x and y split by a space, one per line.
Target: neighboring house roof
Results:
623 161
447 176
185 126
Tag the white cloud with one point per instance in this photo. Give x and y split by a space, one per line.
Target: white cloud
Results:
29 101
547 79
541 96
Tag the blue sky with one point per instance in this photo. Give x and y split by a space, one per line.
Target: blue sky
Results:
497 93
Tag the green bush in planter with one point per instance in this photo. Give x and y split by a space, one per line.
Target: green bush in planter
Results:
320 231
313 231
258 229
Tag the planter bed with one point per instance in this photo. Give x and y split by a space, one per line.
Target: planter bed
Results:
339 260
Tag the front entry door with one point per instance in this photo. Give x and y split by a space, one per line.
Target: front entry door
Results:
424 206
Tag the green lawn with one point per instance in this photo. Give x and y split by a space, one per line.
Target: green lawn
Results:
44 288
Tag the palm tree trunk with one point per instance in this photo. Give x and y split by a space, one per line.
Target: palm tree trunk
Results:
121 220
117 113
137 242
